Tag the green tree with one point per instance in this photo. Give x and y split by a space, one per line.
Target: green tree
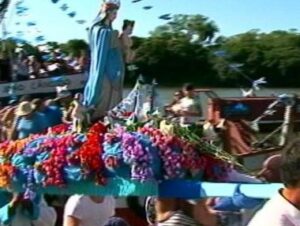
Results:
74 47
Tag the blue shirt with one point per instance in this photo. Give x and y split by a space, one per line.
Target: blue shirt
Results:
54 115
38 123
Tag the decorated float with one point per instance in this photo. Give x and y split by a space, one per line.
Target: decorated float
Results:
133 154
147 156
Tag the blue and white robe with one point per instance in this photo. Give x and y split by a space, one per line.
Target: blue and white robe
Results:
104 87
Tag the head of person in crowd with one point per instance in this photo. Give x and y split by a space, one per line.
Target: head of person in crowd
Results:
177 95
116 221
78 97
174 211
24 110
38 105
271 169
284 207
25 98
50 102
290 166
63 96
188 90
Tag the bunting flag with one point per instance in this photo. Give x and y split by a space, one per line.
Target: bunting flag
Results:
72 13
30 23
26 26
64 7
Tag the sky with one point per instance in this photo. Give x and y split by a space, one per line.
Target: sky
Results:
231 16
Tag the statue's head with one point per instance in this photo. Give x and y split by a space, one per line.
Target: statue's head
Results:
110 9
128 26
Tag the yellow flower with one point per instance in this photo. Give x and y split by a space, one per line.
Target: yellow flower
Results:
165 128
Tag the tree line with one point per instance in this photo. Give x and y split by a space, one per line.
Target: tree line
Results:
188 49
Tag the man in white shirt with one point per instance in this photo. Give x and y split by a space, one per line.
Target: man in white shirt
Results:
284 208
83 210
189 107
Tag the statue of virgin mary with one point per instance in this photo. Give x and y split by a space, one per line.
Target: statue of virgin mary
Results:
104 87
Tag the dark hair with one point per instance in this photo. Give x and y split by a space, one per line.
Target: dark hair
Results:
290 165
127 23
37 101
188 87
25 98
116 221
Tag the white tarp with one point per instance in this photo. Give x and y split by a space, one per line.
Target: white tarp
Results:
43 85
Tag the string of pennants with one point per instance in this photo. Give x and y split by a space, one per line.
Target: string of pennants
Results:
71 13
22 12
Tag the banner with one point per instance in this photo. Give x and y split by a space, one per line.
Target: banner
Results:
43 85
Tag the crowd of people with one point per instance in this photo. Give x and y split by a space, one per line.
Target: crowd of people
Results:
45 63
110 53
31 116
27 116
48 63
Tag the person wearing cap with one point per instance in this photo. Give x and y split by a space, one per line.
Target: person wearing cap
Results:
283 209
27 122
104 87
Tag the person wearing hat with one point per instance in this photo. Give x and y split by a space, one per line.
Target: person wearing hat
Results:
104 87
28 122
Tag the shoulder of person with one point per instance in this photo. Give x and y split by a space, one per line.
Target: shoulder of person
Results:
75 201
110 199
77 198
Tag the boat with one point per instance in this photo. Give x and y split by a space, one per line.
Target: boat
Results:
253 128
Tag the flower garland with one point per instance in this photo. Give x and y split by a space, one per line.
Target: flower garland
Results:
134 151
182 158
144 154
90 153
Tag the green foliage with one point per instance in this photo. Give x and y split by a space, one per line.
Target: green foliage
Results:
75 47
176 53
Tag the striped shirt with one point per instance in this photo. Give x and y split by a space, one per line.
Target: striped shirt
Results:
178 218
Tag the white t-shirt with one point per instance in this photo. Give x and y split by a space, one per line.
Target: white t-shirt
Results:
277 212
190 105
89 212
